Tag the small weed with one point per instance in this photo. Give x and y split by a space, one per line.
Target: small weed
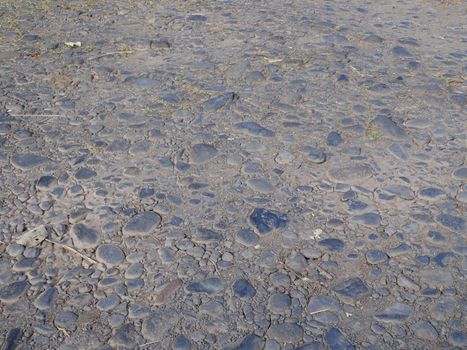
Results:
373 132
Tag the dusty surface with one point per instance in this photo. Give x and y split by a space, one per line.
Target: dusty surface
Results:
233 174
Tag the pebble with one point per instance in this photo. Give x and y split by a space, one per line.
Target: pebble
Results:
332 244
247 237
351 290
46 299
395 313
452 222
285 333
254 129
375 257
65 319
337 341
265 220
27 161
110 255
182 343
46 183
352 173
142 224
424 330
220 101
210 286
84 237
204 235
124 337
260 185
367 219
11 292
202 153
279 303
390 127
85 174
334 139
321 303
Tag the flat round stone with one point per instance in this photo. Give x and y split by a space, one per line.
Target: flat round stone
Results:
142 224
84 237
243 288
27 160
46 299
351 173
285 332
13 291
110 254
376 257
202 152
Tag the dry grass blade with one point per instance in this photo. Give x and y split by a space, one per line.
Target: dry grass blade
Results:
64 246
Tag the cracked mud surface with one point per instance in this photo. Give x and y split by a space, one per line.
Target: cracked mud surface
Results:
233 175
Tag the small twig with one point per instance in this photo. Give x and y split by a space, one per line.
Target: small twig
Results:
36 115
87 258
317 312
64 331
150 343
127 52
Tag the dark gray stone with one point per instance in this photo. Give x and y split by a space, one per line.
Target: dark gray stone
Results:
46 299
27 161
202 153
204 235
322 303
182 343
242 288
452 222
285 333
124 337
220 101
46 183
336 340
84 237
265 220
254 129
332 244
110 255
334 139
351 290
142 224
396 313
250 342
352 173
376 256
65 319
10 293
390 127
279 303
210 286
367 219
424 330
247 237
85 174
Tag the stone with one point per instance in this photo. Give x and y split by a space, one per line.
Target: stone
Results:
108 303
142 224
452 222
254 129
332 244
46 183
367 219
431 193
395 313
279 303
242 288
401 51
390 127
351 290
458 338
436 278
334 139
376 256
337 341
321 303
260 185
12 338
84 237
402 191
443 309
398 151
351 173
202 153
158 324
250 342
247 237
85 174
460 173
11 292
265 220
285 332
218 102
182 343
25 161
110 255
124 337
65 319
46 299
204 235
209 286
424 330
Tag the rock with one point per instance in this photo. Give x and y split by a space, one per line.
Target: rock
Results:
142 224
12 339
46 299
110 255
351 290
436 278
316 155
352 173
65 319
424 330
197 18
458 338
460 173
367 219
396 313
332 244
168 291
285 332
431 193
182 343
204 235
46 183
84 237
398 151
336 340
254 129
376 256
390 127
443 309
246 237
267 220
454 223
401 51
260 185
10 293
402 191
250 342
242 288
220 101
124 337
202 153
284 157
158 324
85 174
27 161
210 286
108 303
279 303
334 139
321 303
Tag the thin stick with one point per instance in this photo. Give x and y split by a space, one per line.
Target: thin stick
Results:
87 258
150 343
36 115
317 312
110 54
